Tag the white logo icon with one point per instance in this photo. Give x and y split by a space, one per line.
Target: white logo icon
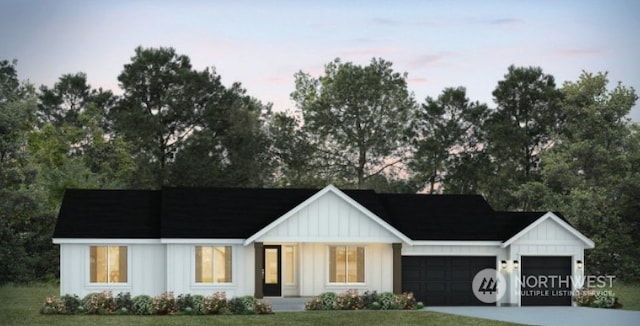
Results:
489 285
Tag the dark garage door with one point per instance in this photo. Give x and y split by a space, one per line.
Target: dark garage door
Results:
443 280
545 281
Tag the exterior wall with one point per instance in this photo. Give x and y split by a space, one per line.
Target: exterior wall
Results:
146 270
314 269
329 219
181 271
546 239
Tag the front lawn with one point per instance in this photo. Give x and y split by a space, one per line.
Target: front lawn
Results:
20 305
628 295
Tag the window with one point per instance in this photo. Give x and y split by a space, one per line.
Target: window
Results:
289 265
108 264
213 264
346 264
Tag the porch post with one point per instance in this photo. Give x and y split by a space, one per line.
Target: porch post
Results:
259 260
397 267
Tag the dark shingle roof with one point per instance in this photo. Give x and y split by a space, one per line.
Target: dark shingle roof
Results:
109 214
241 212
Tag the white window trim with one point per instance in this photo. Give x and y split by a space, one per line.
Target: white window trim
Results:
339 284
214 285
89 284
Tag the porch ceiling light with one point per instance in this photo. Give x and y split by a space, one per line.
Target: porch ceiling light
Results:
503 264
516 264
579 264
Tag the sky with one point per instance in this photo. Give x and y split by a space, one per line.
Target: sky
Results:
262 44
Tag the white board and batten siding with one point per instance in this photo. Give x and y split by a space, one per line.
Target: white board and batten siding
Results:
314 269
146 268
181 271
548 238
329 218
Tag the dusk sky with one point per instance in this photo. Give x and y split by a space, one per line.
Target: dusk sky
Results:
263 43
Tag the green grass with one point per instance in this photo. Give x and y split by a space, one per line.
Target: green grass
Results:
20 305
628 295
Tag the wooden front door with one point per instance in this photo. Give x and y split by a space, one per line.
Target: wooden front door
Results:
272 272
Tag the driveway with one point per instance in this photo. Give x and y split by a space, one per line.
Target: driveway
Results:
548 315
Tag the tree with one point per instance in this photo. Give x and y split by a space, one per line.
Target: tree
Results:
447 134
295 154
591 172
231 149
163 103
25 225
359 116
521 126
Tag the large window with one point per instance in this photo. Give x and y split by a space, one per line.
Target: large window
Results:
213 264
346 264
108 264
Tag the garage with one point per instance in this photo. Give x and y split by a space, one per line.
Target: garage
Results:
443 280
545 281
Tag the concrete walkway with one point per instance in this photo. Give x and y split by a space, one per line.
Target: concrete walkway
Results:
563 316
287 304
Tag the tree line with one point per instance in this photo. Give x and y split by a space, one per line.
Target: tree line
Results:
568 148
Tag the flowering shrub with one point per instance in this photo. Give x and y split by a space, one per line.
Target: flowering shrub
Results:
164 304
53 305
351 300
215 304
142 305
596 299
99 303
263 308
405 301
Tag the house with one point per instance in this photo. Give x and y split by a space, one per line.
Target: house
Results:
302 242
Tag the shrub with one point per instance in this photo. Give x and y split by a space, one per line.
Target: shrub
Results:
419 305
595 298
405 301
236 306
368 298
315 303
249 304
99 303
328 300
72 304
374 305
123 302
142 305
215 304
349 300
263 307
53 305
190 304
164 304
387 300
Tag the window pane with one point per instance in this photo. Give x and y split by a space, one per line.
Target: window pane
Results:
288 265
352 265
271 266
346 264
204 264
108 264
222 264
341 264
123 264
213 264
